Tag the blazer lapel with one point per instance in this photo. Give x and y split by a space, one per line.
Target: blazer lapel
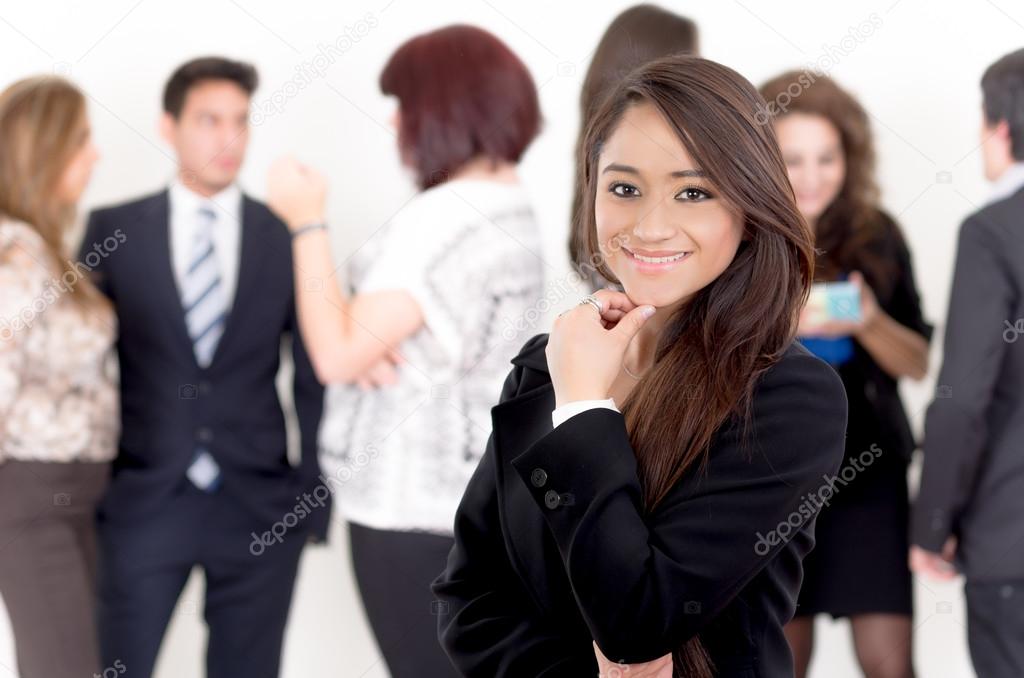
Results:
159 268
251 251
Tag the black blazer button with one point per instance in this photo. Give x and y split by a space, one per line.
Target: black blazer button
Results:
539 477
551 499
205 435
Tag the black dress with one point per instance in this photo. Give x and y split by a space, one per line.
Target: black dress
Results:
859 564
554 549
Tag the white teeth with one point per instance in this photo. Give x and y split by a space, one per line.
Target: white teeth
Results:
659 260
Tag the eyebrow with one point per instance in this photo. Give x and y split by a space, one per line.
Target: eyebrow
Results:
616 167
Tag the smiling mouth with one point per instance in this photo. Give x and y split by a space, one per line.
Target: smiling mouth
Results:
657 260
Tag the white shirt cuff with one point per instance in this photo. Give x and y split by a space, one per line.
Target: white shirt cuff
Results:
560 414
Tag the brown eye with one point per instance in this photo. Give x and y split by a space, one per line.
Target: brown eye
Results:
625 190
693 194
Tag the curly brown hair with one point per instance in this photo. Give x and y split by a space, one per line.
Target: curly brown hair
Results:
849 227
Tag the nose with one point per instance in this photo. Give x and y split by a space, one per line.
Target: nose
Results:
804 180
658 224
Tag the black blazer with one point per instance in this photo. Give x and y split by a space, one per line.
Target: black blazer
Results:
169 404
552 549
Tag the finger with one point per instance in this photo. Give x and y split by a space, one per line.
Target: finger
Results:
631 323
613 299
613 316
385 374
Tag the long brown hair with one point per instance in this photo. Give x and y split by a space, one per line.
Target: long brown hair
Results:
845 231
42 125
637 35
715 347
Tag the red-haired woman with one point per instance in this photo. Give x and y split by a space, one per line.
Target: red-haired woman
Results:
651 484
859 567
448 285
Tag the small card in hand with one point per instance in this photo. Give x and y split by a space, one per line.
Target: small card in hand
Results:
833 301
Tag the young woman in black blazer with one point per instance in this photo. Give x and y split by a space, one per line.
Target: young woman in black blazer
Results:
667 536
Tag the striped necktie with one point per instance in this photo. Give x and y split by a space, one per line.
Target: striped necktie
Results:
205 314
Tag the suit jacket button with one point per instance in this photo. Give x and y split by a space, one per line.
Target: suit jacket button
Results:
205 435
539 477
551 499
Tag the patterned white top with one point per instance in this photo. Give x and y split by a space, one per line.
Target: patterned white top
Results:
58 373
469 252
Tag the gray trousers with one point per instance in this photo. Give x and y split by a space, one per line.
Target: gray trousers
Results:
995 627
48 564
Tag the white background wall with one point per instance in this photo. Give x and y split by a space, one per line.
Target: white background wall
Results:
917 73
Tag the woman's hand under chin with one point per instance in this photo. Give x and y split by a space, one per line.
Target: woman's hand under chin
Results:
586 347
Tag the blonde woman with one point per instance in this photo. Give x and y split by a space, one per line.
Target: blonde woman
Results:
58 396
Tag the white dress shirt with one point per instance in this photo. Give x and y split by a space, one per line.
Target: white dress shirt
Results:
227 232
1008 183
561 414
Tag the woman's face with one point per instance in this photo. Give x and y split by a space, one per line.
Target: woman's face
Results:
663 229
813 152
76 174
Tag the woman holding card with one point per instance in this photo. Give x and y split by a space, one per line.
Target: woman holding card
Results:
865 318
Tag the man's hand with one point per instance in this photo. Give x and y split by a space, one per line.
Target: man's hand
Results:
934 565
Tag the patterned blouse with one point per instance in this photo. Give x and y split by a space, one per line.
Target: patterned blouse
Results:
58 377
399 457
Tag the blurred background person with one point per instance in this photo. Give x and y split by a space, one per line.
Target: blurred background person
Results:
637 35
858 569
58 383
203 292
970 508
447 286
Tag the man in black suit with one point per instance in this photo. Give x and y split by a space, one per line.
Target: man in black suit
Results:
969 514
203 288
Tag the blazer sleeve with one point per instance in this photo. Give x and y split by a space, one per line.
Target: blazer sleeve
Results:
956 425
486 622
646 583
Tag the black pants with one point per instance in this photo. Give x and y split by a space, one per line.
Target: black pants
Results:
48 563
995 628
394 571
249 584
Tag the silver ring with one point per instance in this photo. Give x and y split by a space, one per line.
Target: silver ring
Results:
592 300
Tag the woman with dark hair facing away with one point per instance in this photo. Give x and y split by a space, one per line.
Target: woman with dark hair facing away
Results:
650 487
637 35
826 143
442 287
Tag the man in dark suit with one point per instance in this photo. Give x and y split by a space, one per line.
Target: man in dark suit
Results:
203 287
969 515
